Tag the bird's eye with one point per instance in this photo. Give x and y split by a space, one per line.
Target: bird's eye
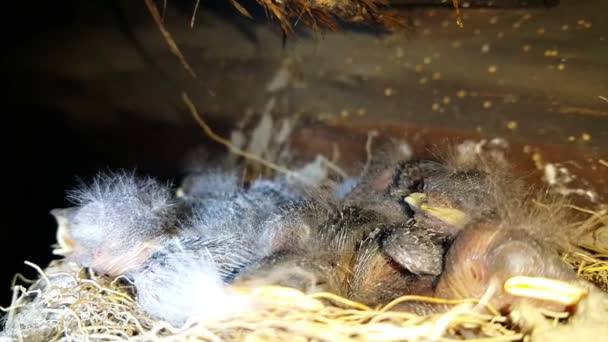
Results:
320 283
474 272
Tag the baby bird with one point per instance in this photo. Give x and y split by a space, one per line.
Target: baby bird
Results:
419 244
117 222
261 198
223 237
239 220
187 277
438 202
170 248
210 183
443 197
464 228
490 226
359 243
326 247
373 188
485 255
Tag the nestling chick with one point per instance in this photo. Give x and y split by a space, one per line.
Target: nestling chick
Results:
323 248
169 248
497 229
443 198
117 222
209 183
204 190
440 199
222 238
485 255
419 244
187 278
373 189
238 223
359 244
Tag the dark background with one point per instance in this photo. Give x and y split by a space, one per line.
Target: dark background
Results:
47 148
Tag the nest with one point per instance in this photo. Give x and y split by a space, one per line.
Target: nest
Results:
68 303
324 14
591 258
321 15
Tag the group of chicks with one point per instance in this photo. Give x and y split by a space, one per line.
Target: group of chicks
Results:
456 229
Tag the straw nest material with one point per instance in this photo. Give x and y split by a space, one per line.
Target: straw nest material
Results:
325 14
68 303
322 15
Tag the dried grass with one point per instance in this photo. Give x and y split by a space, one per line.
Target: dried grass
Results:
320 15
325 14
79 306
591 257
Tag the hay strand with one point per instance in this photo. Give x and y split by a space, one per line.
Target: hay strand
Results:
168 37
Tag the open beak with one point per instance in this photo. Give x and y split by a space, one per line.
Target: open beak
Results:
418 202
545 289
64 245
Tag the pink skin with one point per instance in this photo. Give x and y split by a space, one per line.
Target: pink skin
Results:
104 262
488 254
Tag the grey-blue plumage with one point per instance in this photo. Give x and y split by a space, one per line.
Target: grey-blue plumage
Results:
169 247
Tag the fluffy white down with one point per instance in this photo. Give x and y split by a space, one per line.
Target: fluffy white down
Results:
187 287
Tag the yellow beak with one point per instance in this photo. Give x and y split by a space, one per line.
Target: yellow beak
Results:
447 215
545 289
64 245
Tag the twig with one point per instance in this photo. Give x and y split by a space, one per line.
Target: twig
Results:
13 306
168 38
434 300
368 149
459 21
341 300
587 211
335 168
335 152
40 271
194 13
164 10
211 134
